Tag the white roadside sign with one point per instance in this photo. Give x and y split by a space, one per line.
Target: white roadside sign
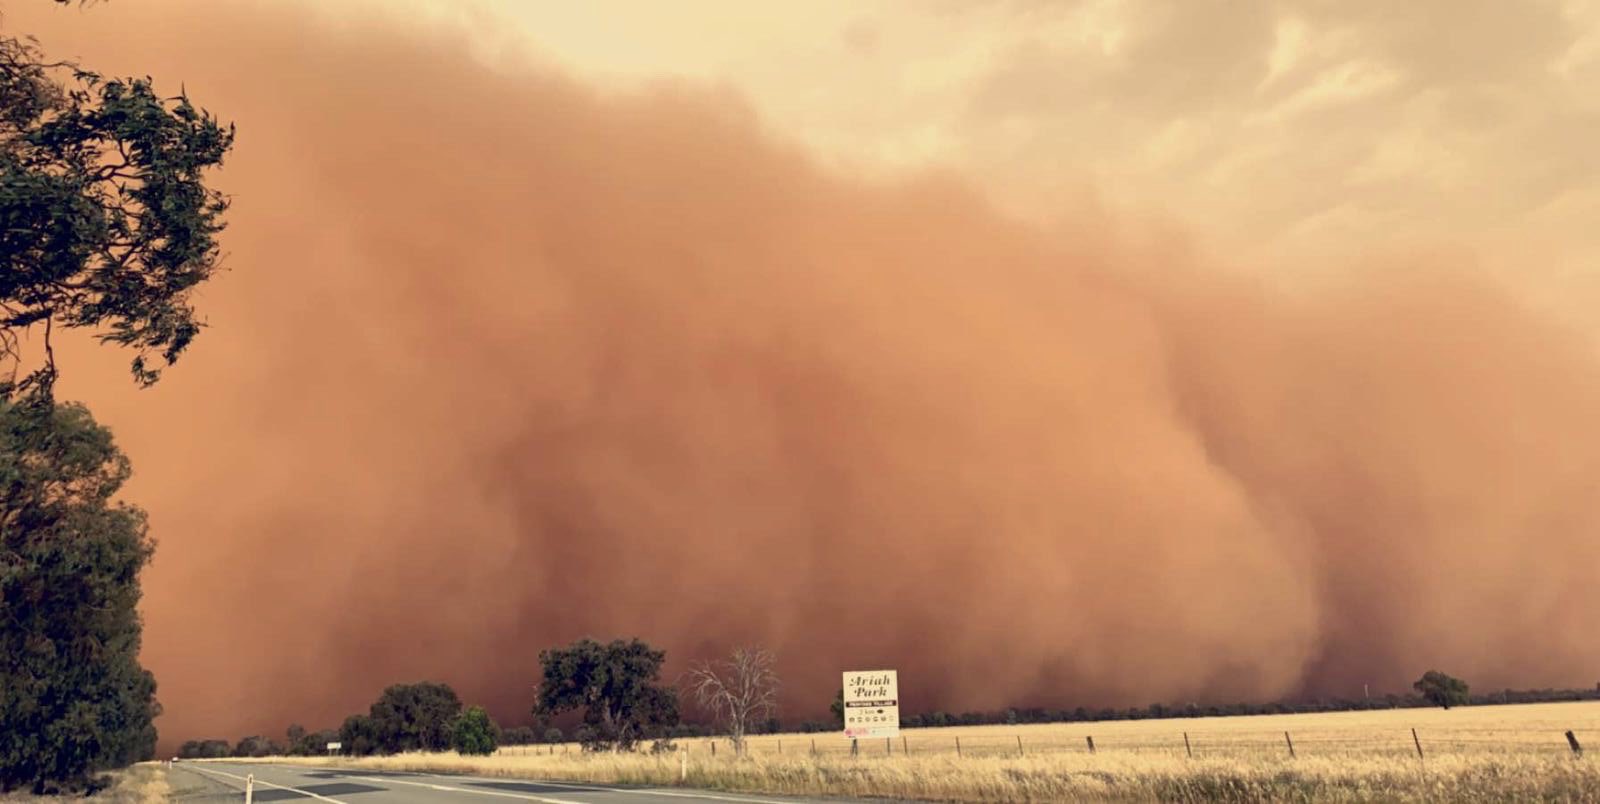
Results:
871 704
335 746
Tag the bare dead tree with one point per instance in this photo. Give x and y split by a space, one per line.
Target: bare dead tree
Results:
738 690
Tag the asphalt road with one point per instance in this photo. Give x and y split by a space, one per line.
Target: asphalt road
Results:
225 781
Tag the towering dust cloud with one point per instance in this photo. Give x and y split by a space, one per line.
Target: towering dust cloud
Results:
502 362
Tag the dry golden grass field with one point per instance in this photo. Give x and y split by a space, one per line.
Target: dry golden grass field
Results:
1486 753
144 783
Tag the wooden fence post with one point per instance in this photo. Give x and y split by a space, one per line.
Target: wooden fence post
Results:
905 747
1291 744
888 746
1091 743
813 746
1186 748
780 748
1572 740
1019 745
958 748
713 747
855 747
1418 742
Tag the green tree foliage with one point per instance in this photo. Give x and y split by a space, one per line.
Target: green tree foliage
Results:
1442 690
359 736
474 732
519 735
616 686
73 698
257 746
205 749
414 717
306 744
316 743
106 222
837 708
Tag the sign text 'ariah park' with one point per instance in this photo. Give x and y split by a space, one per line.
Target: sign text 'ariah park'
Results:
871 704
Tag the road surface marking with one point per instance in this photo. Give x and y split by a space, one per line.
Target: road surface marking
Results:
447 789
632 791
270 784
713 796
592 788
628 791
656 791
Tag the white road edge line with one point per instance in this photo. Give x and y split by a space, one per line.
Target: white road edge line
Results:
713 796
647 791
592 788
447 789
269 784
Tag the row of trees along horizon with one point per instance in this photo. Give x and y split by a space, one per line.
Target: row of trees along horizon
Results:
616 694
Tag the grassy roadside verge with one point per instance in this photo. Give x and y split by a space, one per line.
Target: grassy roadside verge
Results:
136 784
1353 777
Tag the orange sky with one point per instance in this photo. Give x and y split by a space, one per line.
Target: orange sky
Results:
1055 354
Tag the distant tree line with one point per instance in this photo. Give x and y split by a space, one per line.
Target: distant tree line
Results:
425 716
612 690
1433 689
615 689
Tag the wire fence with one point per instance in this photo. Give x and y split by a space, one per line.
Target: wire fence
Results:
1193 744
1180 743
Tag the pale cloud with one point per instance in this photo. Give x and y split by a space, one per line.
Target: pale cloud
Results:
1280 131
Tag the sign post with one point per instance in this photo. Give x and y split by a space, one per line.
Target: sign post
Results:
332 747
871 704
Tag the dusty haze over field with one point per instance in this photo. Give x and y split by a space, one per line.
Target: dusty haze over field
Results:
1084 358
